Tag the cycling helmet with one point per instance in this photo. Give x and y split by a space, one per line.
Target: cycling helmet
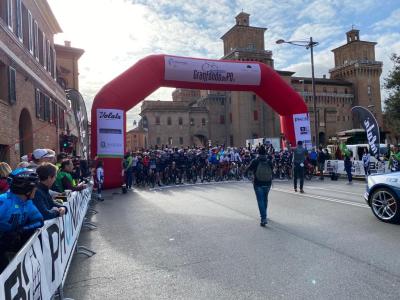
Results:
22 181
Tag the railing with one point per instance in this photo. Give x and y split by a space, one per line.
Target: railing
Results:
40 268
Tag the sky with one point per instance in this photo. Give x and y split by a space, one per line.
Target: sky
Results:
117 33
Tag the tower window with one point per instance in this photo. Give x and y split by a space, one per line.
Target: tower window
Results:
169 122
157 120
255 115
203 122
180 121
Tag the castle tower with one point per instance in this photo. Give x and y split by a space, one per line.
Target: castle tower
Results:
355 62
246 114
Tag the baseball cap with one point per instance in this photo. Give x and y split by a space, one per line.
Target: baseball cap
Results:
42 153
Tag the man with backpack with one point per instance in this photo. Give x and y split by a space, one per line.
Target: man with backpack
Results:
262 170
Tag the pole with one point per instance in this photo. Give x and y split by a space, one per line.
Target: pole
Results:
311 45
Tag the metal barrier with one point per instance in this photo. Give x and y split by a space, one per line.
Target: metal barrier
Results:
40 268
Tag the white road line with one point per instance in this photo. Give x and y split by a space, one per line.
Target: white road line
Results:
322 198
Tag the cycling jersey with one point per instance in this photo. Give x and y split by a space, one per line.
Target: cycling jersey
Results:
18 215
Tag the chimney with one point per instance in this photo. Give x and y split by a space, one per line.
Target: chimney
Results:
67 43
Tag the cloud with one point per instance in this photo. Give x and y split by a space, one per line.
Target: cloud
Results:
392 21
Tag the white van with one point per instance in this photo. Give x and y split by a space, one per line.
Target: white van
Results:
358 150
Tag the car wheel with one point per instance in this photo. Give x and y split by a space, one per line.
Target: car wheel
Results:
385 205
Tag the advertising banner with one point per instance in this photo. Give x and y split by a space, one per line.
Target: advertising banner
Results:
302 129
40 267
208 71
371 127
110 132
275 142
357 168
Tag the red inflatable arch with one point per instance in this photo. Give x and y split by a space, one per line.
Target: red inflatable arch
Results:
154 71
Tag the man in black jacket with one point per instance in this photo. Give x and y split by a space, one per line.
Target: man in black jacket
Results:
43 200
262 170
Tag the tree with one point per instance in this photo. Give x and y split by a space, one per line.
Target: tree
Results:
392 103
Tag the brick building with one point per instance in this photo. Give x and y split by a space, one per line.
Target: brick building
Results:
33 107
199 117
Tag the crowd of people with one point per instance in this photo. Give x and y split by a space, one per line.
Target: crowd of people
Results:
34 192
168 166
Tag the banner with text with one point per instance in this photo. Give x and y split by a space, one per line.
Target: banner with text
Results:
369 123
110 132
209 71
40 267
302 129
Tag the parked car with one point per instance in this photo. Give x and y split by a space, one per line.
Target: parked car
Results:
383 196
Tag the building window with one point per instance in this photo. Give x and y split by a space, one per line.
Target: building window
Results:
230 117
231 140
12 93
344 118
203 122
254 97
48 58
46 108
54 64
37 103
18 17
169 122
30 32
191 122
255 115
9 14
61 118
180 121
345 91
44 63
369 90
158 141
324 89
157 120
170 141
36 40
181 141
335 90
221 119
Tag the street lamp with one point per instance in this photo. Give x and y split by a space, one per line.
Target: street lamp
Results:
308 45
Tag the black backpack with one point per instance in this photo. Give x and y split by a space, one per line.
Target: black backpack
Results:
263 172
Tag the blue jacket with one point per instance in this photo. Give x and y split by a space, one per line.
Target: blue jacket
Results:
18 215
44 203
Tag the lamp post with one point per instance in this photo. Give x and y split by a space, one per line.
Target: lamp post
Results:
308 45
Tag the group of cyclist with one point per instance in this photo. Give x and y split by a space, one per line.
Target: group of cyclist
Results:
178 165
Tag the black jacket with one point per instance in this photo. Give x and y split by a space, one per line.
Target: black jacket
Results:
253 167
44 203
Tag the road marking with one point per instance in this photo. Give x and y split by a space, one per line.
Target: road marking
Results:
330 190
322 198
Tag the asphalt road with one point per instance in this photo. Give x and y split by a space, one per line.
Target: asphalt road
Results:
205 242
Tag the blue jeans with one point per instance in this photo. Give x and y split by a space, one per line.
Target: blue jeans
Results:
262 199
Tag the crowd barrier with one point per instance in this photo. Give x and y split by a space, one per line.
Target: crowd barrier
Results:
337 166
40 268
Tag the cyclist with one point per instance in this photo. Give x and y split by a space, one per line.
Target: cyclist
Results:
19 217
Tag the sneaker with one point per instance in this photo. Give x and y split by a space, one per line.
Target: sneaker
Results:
262 224
302 191
295 190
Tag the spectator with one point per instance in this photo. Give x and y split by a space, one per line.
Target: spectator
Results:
321 162
366 158
348 165
262 170
64 180
100 179
299 156
43 201
5 171
313 157
19 217
40 156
